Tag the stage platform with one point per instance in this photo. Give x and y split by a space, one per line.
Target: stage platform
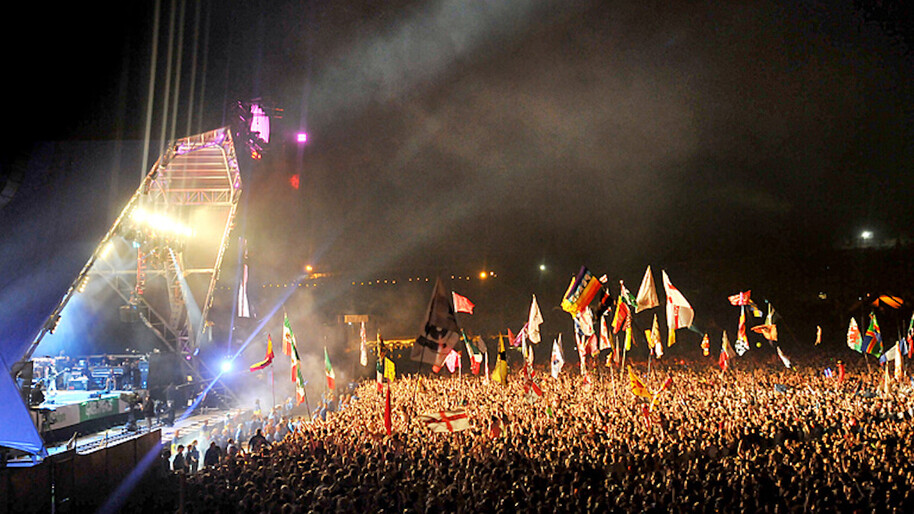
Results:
182 431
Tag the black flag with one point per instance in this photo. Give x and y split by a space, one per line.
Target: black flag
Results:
440 334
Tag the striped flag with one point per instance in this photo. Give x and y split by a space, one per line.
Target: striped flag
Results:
328 370
872 339
268 359
288 338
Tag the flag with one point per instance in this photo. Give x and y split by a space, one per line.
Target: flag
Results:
244 307
705 345
726 352
521 336
818 335
557 360
268 359
769 332
534 320
451 360
854 339
328 370
604 335
638 387
390 370
388 424
620 316
530 384
473 351
583 322
679 313
462 304
783 357
647 293
910 337
379 365
626 295
500 373
628 332
754 309
363 346
740 299
296 370
581 291
288 338
889 355
440 332
742 342
446 421
872 339
654 338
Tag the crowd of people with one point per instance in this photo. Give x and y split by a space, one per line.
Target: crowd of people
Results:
757 438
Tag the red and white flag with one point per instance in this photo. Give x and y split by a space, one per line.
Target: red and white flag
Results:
446 420
740 299
679 313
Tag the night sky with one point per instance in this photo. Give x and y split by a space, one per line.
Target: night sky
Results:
734 144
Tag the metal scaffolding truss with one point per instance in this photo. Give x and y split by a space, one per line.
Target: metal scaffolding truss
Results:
178 223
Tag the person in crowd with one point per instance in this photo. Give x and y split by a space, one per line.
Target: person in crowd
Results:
258 442
179 462
212 456
193 457
148 411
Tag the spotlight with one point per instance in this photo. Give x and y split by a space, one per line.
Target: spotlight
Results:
226 366
301 137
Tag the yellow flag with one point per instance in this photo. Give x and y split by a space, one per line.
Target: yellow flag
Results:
390 369
500 373
638 387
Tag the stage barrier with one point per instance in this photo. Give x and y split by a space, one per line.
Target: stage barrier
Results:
81 482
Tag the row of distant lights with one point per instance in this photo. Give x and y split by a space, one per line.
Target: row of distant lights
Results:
482 276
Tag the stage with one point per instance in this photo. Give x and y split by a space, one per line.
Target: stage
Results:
64 412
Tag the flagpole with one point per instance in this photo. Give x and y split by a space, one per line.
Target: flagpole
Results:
272 387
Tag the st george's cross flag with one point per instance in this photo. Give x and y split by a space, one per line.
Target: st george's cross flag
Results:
679 313
446 420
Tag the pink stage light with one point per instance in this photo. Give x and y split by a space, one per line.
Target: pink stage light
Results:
302 137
